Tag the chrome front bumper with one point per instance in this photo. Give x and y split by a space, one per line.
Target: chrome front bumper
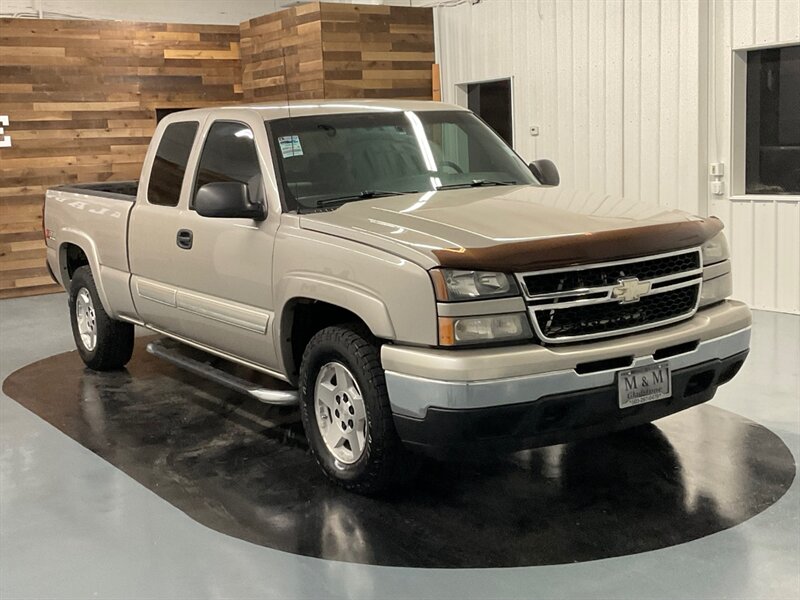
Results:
420 379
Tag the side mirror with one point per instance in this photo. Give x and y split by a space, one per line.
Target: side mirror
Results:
545 171
227 200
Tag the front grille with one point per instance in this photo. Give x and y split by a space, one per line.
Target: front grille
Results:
595 301
609 274
593 319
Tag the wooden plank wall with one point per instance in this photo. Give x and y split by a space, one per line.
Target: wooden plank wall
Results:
81 95
282 55
375 51
81 99
338 51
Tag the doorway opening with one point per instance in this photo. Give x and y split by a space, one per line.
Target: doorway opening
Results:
491 101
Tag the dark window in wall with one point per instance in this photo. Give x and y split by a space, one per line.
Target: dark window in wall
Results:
491 101
163 112
169 165
229 154
773 121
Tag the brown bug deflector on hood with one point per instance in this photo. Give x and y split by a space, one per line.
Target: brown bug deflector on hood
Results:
595 247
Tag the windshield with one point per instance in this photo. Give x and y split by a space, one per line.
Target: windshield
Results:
329 159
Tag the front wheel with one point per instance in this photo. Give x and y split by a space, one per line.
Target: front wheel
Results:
103 343
346 412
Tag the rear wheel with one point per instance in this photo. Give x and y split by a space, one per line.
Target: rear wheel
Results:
103 343
346 412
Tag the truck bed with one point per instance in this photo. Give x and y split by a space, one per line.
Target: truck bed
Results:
119 190
93 217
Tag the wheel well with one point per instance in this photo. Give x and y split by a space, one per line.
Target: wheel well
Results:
72 258
304 317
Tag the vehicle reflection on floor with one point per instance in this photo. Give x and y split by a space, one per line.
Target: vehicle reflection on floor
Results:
243 468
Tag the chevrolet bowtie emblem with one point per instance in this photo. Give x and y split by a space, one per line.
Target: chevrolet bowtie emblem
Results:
630 290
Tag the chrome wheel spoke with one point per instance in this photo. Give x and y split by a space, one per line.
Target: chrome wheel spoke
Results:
342 376
355 445
341 441
332 436
358 411
326 394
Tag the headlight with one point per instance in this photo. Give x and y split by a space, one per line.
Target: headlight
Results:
453 285
715 250
457 331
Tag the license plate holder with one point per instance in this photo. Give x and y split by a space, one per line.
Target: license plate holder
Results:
644 384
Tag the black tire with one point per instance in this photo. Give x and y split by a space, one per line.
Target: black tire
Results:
114 346
385 463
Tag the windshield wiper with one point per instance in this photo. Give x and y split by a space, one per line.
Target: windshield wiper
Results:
365 195
474 183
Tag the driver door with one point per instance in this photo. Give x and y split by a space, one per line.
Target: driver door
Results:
223 276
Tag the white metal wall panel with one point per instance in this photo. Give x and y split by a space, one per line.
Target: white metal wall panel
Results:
764 233
620 91
612 84
632 99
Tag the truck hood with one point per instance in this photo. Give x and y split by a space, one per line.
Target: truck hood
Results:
512 228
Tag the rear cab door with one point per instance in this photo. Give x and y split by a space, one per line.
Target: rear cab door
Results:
209 280
156 218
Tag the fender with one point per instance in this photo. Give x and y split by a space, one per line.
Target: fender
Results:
67 235
357 300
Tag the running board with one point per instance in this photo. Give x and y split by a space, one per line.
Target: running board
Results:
201 363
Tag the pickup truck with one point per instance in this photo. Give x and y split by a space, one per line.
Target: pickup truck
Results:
414 285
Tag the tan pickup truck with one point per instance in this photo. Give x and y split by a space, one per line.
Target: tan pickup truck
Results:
413 283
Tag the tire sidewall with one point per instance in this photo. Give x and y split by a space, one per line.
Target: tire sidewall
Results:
316 357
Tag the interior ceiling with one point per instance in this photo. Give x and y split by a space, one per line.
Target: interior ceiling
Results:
223 12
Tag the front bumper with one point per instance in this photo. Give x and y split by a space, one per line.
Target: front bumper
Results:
447 433
538 395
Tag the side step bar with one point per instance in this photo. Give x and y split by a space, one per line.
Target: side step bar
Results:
193 361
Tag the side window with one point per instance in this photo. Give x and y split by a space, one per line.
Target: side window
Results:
229 154
772 155
169 165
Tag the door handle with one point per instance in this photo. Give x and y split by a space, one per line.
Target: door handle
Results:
184 239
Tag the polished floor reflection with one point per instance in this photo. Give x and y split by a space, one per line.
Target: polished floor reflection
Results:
242 468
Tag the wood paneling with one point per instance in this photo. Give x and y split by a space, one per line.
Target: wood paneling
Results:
377 51
81 95
81 99
327 50
282 55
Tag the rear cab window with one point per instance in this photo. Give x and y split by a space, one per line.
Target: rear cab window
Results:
169 164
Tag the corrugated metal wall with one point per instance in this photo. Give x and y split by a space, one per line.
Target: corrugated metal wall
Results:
619 90
764 234
608 123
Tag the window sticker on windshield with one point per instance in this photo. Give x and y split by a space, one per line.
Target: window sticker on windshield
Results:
290 146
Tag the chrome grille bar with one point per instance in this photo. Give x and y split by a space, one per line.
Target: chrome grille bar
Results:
683 269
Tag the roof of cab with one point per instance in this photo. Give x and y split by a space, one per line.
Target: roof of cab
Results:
303 108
